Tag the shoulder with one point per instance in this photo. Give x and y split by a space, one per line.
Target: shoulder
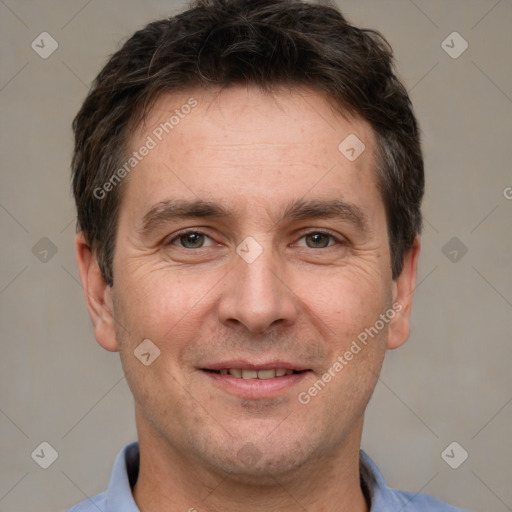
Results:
413 502
386 499
92 504
118 496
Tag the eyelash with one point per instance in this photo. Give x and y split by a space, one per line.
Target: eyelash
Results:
197 232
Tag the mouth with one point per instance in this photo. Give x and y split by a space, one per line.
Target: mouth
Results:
246 380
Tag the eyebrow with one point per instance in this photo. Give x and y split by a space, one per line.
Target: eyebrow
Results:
327 209
167 211
171 210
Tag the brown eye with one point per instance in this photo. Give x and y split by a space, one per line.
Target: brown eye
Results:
191 240
318 240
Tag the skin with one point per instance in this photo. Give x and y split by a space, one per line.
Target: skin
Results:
202 445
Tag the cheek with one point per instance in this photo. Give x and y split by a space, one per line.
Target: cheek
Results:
159 303
349 300
162 310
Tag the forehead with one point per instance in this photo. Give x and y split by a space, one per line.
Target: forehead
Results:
246 143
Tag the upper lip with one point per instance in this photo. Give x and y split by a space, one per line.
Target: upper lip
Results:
246 365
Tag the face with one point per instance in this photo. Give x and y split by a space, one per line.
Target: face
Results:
252 252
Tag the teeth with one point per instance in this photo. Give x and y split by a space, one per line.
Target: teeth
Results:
249 374
266 374
256 374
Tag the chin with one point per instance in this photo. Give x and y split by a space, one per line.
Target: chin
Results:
259 462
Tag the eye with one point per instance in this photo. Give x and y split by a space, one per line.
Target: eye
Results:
318 240
191 240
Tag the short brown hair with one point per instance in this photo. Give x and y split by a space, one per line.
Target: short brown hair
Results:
265 43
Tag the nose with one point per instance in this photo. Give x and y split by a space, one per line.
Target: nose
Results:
256 295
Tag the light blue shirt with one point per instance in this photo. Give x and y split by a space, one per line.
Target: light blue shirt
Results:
118 497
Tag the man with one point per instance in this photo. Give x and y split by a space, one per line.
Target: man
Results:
248 178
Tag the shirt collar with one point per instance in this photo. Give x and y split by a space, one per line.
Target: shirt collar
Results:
382 498
124 476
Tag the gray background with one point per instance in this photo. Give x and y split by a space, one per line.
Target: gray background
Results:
450 382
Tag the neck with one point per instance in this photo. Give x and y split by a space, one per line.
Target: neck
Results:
170 480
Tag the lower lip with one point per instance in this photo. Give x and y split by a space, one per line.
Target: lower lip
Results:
256 388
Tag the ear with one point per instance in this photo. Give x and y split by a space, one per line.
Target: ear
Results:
98 295
403 292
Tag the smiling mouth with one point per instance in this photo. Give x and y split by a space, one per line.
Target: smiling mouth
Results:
247 374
